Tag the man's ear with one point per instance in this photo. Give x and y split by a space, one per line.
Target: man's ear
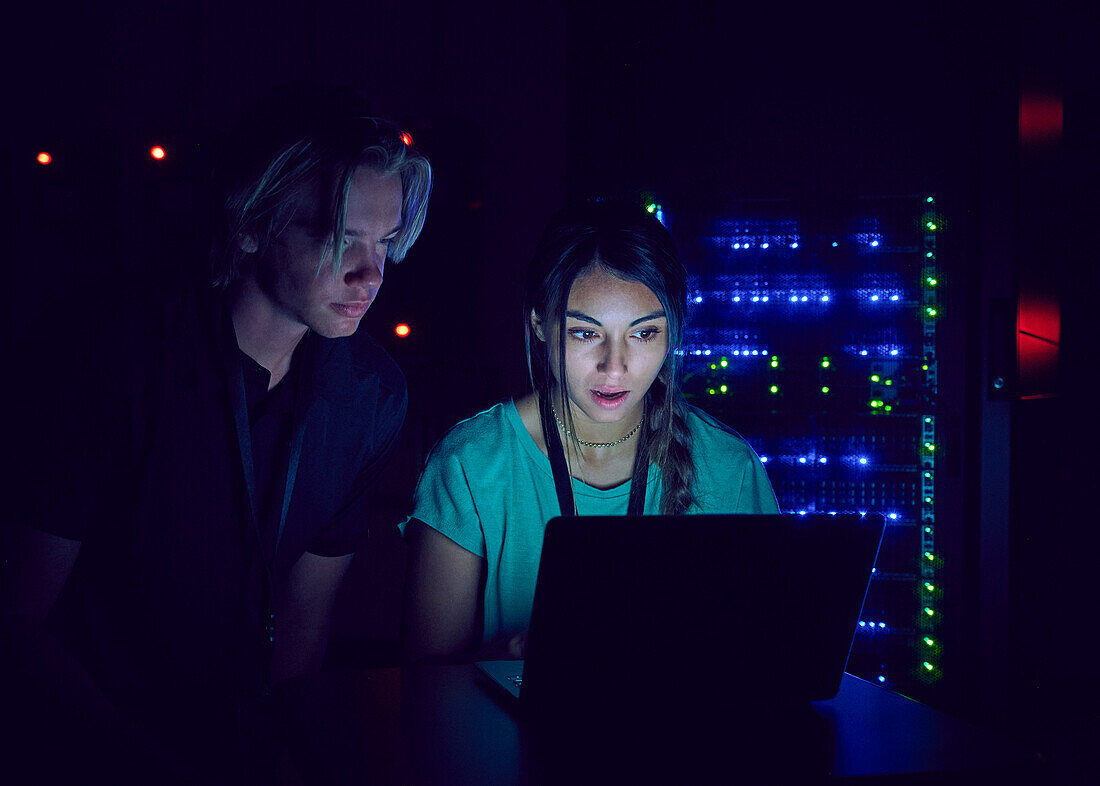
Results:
246 242
536 325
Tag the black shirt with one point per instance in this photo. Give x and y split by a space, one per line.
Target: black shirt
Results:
164 606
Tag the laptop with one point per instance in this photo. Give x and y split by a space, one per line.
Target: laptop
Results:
655 614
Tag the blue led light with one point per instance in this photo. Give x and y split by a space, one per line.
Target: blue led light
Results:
894 298
794 298
835 244
763 459
804 298
893 352
801 459
706 351
763 245
863 352
824 298
882 624
737 245
874 297
822 460
698 299
894 516
881 678
862 624
863 460
794 245
765 298
736 298
874 244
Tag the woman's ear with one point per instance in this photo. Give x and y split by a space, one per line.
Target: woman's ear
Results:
536 325
246 242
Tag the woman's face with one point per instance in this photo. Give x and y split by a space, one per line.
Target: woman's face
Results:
616 340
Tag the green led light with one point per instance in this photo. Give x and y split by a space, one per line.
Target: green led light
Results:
875 403
874 377
888 408
928 555
928 530
929 199
929 611
889 382
928 420
824 362
931 281
775 363
713 366
928 666
929 447
929 255
929 641
825 389
774 388
711 391
924 367
928 475
724 363
928 500
651 207
724 389
930 311
931 225
929 586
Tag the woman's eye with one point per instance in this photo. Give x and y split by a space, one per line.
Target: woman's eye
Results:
647 333
582 334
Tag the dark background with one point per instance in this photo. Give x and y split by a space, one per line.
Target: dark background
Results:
522 105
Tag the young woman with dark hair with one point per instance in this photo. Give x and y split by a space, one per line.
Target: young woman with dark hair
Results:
604 432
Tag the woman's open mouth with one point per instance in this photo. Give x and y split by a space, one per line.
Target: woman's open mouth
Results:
609 399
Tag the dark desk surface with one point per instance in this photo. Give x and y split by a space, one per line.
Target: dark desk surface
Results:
443 724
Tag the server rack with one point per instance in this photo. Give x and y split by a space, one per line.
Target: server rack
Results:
812 331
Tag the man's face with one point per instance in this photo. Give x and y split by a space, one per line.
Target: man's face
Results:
297 275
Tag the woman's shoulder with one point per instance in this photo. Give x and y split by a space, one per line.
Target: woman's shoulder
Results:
712 437
481 428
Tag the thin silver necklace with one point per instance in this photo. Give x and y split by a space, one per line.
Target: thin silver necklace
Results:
568 433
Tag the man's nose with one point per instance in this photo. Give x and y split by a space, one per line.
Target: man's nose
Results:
364 268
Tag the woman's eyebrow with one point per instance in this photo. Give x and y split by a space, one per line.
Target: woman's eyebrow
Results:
658 314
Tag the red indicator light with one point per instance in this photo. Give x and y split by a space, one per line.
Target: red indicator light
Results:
406 137
401 330
44 158
157 152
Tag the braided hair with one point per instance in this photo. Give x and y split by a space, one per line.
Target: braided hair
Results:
631 244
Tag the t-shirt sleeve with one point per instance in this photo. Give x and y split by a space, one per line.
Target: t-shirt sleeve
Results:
444 499
347 531
756 495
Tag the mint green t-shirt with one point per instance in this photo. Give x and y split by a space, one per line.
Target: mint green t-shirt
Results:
490 489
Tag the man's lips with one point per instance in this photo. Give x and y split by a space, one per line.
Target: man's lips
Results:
352 310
